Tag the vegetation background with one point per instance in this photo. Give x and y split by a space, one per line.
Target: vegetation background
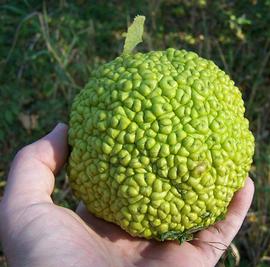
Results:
49 48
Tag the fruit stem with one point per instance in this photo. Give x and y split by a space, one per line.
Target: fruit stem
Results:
134 34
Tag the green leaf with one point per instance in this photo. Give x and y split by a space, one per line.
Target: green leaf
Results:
180 236
221 217
134 34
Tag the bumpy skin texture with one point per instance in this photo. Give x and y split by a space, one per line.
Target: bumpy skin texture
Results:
159 143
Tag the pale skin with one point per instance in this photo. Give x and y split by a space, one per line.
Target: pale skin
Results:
36 232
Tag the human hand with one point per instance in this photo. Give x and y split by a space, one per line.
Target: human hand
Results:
36 232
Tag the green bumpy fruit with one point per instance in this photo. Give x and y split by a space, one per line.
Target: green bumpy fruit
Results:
159 143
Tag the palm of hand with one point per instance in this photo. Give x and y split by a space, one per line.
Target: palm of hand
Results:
60 237
36 232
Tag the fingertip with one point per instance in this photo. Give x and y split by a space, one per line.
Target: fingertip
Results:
243 197
52 149
60 129
249 188
249 184
61 125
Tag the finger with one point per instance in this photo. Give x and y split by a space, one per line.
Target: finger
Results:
212 241
31 177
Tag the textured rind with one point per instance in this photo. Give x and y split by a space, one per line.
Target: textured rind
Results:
159 142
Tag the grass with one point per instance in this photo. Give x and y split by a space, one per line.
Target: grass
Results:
48 50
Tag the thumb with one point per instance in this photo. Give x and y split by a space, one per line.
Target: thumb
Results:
31 176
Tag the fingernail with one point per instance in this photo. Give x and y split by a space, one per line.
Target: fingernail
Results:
60 126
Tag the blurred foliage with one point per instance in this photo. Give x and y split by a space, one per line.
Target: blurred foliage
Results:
48 50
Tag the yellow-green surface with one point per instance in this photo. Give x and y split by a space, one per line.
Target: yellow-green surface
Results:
159 142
